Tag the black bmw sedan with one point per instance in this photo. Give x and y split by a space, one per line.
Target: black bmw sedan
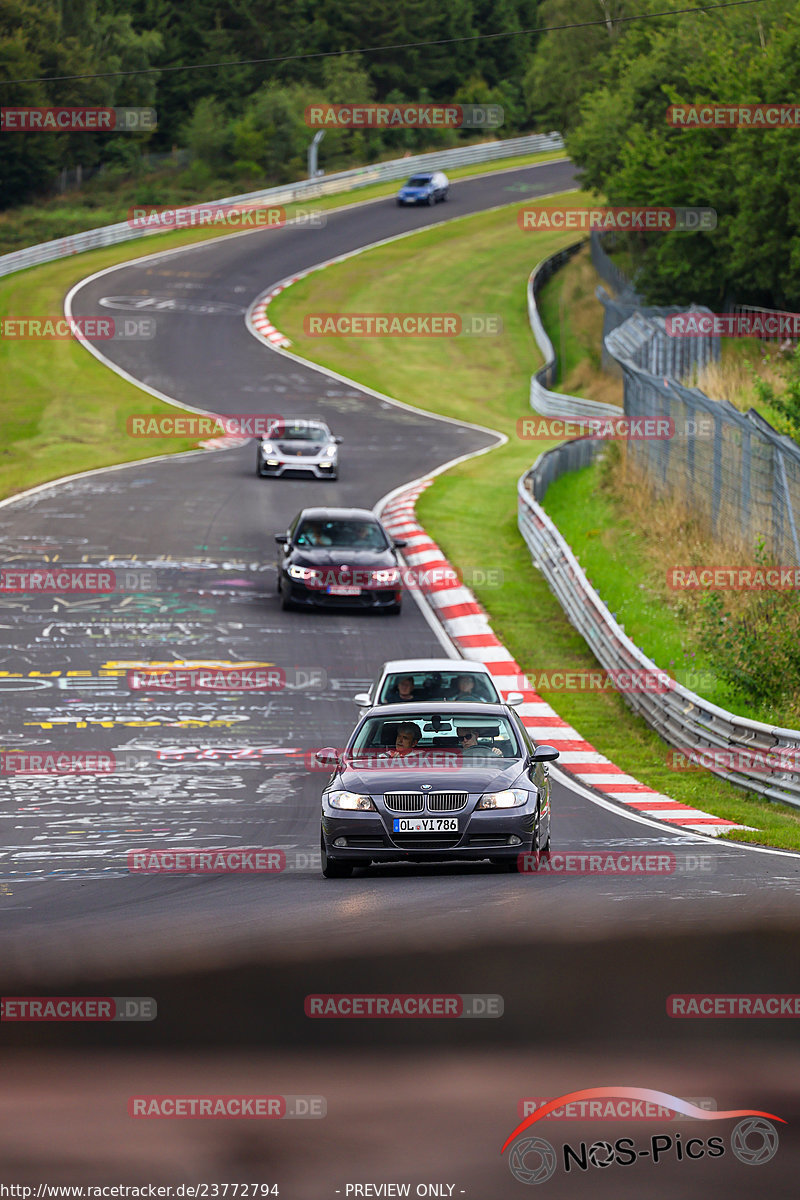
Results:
426 782
341 557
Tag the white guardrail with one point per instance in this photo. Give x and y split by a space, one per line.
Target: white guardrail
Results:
556 404
766 757
306 189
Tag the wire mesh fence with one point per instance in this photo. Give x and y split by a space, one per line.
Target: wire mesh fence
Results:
732 468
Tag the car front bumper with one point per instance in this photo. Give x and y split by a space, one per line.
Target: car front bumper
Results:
368 836
387 597
323 468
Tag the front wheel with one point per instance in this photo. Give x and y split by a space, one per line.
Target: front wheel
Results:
286 603
539 852
431 200
333 868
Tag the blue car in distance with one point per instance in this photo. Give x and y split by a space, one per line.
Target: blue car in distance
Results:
429 188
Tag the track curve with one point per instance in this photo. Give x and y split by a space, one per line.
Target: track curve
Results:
226 772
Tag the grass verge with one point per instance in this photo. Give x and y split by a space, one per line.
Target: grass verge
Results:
573 317
471 510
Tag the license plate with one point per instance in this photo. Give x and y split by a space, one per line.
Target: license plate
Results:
425 825
341 589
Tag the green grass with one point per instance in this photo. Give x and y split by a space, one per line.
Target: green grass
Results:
571 313
483 379
570 347
608 546
471 510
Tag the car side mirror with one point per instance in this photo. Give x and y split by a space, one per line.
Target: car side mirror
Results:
545 754
514 698
338 441
399 543
327 756
362 699
281 539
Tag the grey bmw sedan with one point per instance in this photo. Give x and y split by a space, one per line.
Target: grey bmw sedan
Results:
434 781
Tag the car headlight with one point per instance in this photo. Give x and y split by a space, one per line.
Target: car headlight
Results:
329 452
389 575
267 448
510 798
351 801
306 573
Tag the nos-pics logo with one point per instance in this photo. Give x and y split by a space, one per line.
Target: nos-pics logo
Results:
533 1159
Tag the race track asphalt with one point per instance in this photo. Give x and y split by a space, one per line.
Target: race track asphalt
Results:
229 771
585 962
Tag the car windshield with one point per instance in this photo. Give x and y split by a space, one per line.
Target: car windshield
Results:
356 535
418 181
465 734
304 433
465 686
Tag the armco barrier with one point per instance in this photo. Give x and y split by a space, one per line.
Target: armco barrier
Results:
679 716
306 189
556 404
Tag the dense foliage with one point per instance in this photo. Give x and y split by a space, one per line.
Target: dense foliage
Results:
604 79
617 130
246 121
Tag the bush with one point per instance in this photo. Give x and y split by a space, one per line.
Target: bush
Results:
755 640
787 402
